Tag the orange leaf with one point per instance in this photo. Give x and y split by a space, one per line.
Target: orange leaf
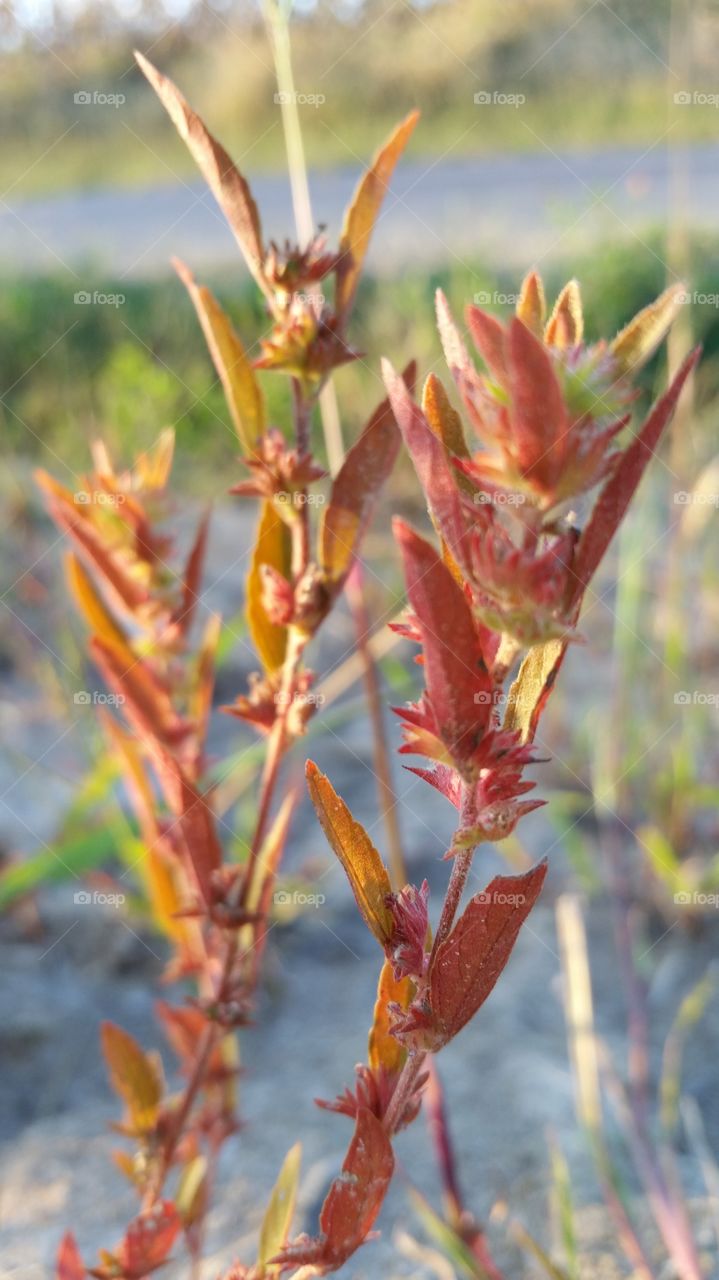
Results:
192 576
239 383
364 208
355 489
365 870
93 609
385 1049
146 703
531 308
565 327
134 1075
225 181
271 547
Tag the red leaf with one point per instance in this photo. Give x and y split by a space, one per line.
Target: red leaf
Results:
467 964
148 1239
458 683
146 703
623 483
192 576
538 412
434 470
353 1202
199 832
69 1264
354 491
490 340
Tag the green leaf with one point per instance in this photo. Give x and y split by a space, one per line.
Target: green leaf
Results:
278 1215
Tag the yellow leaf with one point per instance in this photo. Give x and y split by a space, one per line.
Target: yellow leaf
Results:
134 1075
152 469
444 421
385 1049
278 1215
531 308
191 1195
364 207
532 687
365 870
272 547
242 390
640 338
92 608
565 327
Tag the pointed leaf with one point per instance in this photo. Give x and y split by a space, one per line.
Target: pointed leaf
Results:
355 489
271 547
69 1264
444 421
199 833
239 382
226 183
149 1238
436 476
458 683
538 410
365 870
623 482
466 966
364 208
565 327
145 702
531 689
278 1215
638 340
133 1075
192 576
490 339
153 467
355 1198
531 308
98 618
385 1049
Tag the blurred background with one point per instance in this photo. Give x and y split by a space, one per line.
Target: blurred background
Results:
577 136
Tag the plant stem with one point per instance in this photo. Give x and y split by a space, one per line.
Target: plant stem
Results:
460 870
403 1091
